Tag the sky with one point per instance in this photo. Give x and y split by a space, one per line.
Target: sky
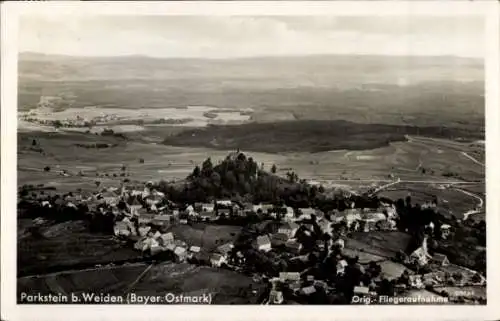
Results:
240 36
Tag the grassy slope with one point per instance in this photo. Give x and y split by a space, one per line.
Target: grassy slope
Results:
311 136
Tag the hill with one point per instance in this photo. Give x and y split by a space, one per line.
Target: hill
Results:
309 136
368 89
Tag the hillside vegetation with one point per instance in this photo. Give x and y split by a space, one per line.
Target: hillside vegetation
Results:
311 136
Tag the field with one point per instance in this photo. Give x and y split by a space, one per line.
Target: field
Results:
112 280
208 237
226 287
65 247
384 244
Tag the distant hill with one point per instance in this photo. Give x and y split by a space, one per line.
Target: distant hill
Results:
366 89
308 136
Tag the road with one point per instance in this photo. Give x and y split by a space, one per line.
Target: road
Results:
472 158
476 210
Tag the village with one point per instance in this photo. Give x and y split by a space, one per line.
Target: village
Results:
300 252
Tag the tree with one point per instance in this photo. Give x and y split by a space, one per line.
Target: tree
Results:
34 143
207 168
46 168
196 171
97 183
141 160
273 169
124 168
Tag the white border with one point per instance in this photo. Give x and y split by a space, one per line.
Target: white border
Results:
9 309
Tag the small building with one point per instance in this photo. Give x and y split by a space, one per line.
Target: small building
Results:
445 231
145 219
225 249
180 253
440 259
167 238
183 221
416 281
204 207
227 203
226 212
121 229
289 213
208 216
279 239
288 228
286 277
161 220
262 243
195 249
143 230
275 297
293 246
361 290
341 265
217 259
339 242
308 290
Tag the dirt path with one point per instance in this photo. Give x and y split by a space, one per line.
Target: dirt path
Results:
476 210
472 158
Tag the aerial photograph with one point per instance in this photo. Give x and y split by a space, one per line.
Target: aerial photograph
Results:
255 160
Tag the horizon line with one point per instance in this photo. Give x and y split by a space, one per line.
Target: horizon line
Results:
246 57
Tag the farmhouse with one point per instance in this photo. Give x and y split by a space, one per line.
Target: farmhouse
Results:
279 239
146 218
144 230
194 249
208 216
180 253
167 238
288 228
204 207
361 290
440 259
121 229
262 243
226 203
293 246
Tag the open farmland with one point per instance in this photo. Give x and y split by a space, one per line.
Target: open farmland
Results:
113 280
64 249
226 287
384 244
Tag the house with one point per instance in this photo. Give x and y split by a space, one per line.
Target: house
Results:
226 212
171 247
305 213
275 297
161 220
208 216
339 242
308 290
325 226
156 235
287 277
293 246
195 249
121 229
288 228
341 265
440 259
262 243
226 203
183 221
445 231
156 248
145 218
204 207
279 239
180 253
144 230
289 213
217 259
167 238
134 204
361 290
225 249
416 281
110 197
